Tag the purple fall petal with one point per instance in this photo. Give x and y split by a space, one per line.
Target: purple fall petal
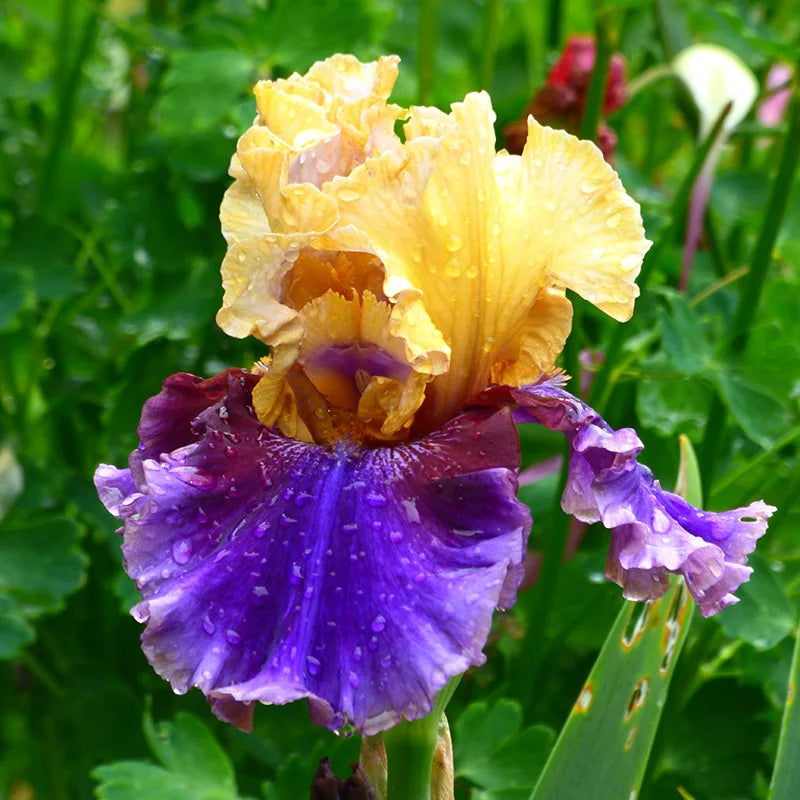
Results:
272 570
653 531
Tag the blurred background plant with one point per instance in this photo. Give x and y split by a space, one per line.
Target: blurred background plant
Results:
117 122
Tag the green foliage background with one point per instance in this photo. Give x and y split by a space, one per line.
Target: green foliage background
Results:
117 122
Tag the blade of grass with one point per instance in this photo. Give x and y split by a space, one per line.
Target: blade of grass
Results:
786 773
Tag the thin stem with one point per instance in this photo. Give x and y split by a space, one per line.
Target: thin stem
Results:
426 39
554 14
494 13
644 79
773 217
597 84
409 751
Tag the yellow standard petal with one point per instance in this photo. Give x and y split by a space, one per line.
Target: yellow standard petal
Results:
481 246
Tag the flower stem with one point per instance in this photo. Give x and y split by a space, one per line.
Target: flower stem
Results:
426 42
597 84
409 751
491 37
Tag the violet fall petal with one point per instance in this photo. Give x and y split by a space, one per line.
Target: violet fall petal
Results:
273 570
654 532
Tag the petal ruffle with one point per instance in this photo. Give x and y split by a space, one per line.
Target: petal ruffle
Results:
477 237
273 570
653 531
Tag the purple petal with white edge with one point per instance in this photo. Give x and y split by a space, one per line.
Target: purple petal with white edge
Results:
653 531
273 570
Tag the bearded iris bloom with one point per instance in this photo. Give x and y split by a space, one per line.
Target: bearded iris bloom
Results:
339 522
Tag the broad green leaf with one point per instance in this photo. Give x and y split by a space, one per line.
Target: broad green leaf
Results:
603 748
492 751
40 564
682 335
758 413
786 774
764 615
672 405
195 767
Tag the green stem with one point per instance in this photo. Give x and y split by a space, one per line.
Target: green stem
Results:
426 39
773 217
786 773
494 13
69 84
597 84
554 14
409 751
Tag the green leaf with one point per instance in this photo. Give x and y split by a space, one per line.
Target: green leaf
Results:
672 405
195 767
492 751
40 564
758 413
786 774
604 746
764 616
682 335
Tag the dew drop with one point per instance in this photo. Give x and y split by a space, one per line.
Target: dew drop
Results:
465 159
453 243
260 530
419 577
232 636
442 220
208 626
354 681
379 623
259 595
549 205
396 537
452 268
614 220
181 551
357 653
587 187
312 665
241 256
375 500
386 662
230 451
195 477
296 575
349 195
472 271
377 525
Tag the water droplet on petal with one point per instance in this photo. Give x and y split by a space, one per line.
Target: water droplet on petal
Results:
386 662
296 575
357 653
587 187
379 623
472 271
453 243
230 451
349 195
354 681
259 595
452 268
614 220
466 157
396 537
233 636
312 665
631 261
181 550
208 626
375 500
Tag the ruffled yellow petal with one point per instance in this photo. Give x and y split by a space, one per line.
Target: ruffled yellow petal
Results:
475 237
541 339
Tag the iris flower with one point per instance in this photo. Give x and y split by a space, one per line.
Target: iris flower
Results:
339 522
